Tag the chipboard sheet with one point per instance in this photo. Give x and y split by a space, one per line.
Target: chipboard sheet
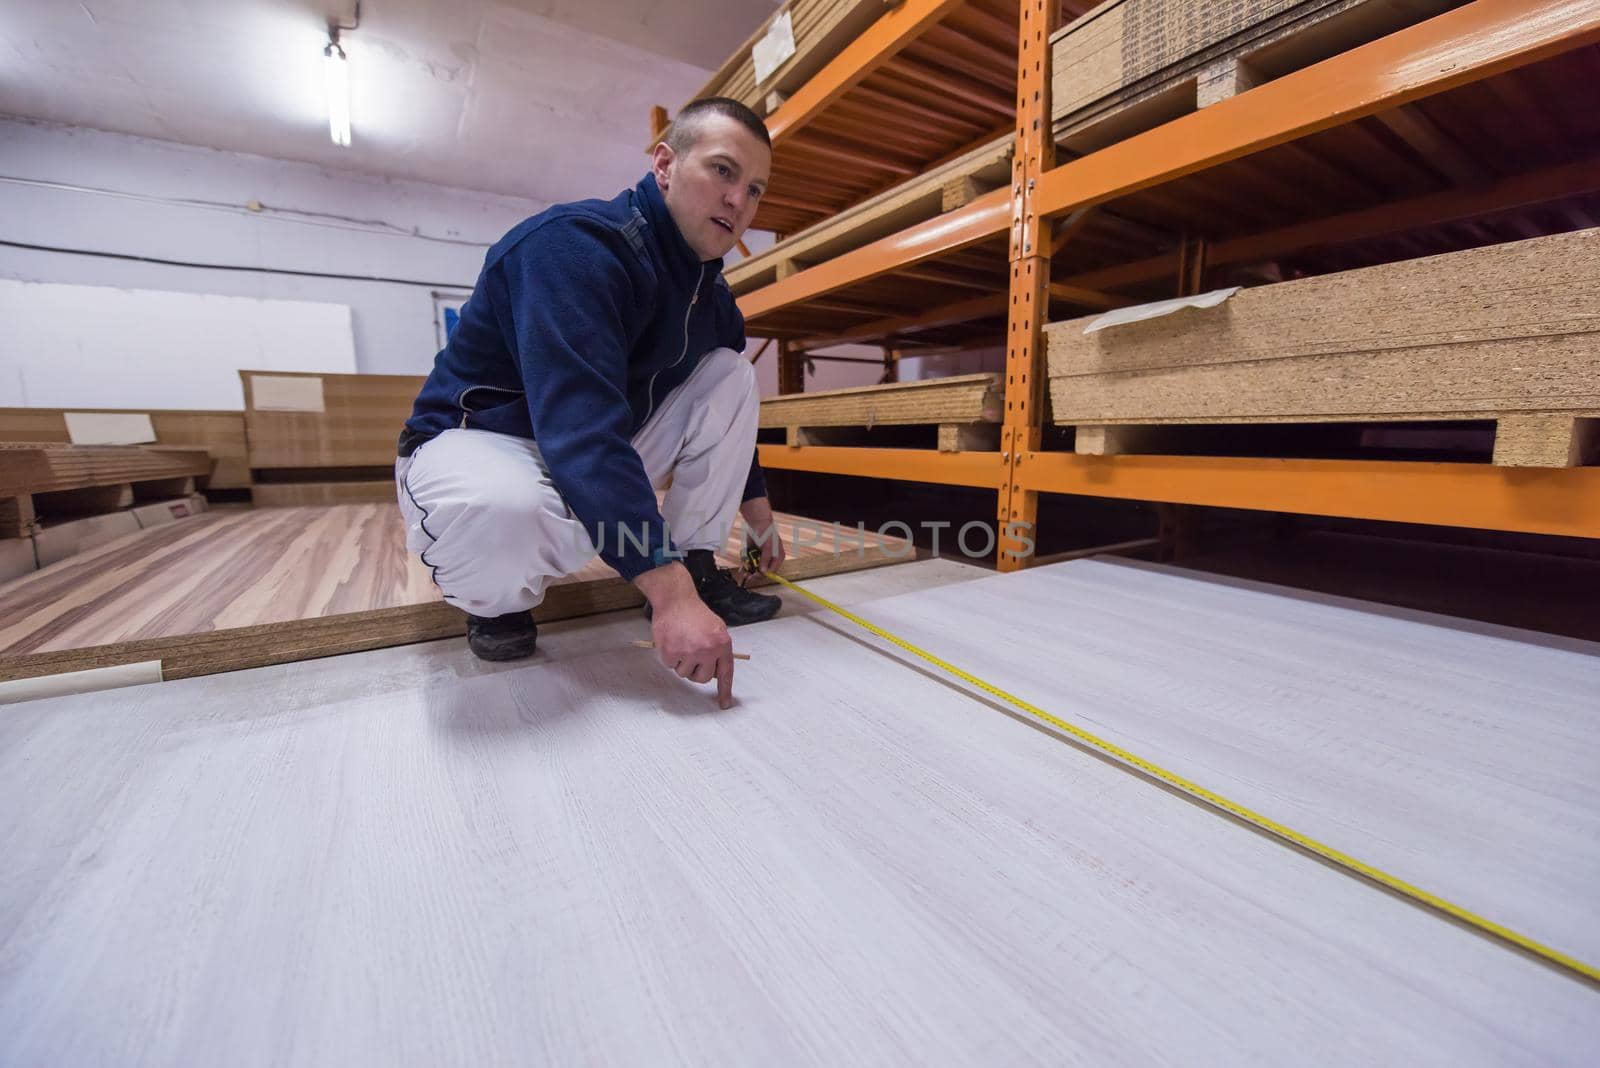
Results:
407 857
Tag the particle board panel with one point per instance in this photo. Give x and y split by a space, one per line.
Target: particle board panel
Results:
229 590
1500 330
219 433
354 421
575 861
957 399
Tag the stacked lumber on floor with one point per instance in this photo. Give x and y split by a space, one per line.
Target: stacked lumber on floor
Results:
944 188
821 29
324 438
219 433
57 500
1507 333
1129 65
965 408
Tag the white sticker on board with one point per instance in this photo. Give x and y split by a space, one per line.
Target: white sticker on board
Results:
282 393
775 46
109 428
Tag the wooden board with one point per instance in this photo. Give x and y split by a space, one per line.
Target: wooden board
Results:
575 861
295 494
229 590
941 189
355 421
957 399
1129 65
219 433
30 468
1498 332
821 30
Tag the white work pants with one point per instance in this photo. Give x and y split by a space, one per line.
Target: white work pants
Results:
480 509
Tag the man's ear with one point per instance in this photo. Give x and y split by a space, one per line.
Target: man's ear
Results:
661 160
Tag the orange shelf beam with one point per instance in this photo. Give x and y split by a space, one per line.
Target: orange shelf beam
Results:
1479 40
1563 501
988 216
982 470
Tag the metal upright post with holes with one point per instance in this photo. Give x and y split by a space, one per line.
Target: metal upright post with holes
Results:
1030 279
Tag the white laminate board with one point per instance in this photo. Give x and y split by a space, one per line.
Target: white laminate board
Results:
580 861
1459 756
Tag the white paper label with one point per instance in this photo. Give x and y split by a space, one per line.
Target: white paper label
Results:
775 46
1140 312
109 428
281 393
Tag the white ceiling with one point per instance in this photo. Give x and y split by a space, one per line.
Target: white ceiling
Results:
546 99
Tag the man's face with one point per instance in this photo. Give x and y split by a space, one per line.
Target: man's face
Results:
713 188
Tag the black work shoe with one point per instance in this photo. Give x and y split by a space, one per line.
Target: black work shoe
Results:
508 637
732 603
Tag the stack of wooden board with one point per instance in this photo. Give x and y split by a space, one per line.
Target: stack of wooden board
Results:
324 438
965 408
820 28
219 433
944 188
1507 333
1129 65
63 499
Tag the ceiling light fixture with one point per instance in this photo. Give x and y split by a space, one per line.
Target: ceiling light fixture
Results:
338 71
336 66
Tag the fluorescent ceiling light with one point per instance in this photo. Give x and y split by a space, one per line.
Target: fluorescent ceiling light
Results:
338 71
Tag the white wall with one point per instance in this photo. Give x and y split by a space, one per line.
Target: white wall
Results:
182 203
66 346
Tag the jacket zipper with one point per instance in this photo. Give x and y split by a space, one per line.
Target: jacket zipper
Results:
651 391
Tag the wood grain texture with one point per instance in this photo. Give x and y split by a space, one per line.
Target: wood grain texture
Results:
957 399
294 494
218 433
576 862
30 468
359 425
229 590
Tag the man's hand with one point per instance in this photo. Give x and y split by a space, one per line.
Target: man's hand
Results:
690 640
757 513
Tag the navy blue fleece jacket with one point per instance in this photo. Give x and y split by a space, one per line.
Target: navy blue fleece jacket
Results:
585 317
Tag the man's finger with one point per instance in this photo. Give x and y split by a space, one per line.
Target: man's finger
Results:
725 682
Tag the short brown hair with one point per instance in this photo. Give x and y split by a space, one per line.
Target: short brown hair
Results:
685 130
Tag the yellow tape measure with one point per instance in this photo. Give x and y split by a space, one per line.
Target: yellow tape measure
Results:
1216 800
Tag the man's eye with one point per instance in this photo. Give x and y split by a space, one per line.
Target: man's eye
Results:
755 192
722 169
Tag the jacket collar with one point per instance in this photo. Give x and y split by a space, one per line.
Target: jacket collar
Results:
680 258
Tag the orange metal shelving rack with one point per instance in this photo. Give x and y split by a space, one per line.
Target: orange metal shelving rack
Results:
1466 45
